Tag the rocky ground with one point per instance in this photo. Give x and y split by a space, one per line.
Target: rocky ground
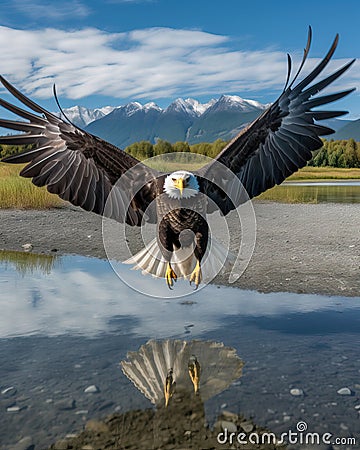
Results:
302 248
168 431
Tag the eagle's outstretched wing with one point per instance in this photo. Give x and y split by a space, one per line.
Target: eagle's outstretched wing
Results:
277 143
78 166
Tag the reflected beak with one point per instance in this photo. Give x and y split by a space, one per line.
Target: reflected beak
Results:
180 184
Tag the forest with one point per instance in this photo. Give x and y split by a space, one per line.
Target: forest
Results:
341 154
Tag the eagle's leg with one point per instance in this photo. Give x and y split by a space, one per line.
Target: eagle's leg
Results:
196 275
201 240
170 275
166 237
194 372
169 387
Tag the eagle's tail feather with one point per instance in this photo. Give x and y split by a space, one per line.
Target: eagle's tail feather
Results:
218 260
151 261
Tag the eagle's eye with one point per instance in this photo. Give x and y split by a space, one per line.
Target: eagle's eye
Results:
174 179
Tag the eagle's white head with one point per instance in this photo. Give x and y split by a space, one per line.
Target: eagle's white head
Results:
181 184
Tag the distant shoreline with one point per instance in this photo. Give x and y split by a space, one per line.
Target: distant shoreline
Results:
302 248
19 192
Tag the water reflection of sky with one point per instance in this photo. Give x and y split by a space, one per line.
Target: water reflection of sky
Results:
84 296
286 341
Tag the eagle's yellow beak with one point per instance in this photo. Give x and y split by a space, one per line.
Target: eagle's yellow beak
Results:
180 184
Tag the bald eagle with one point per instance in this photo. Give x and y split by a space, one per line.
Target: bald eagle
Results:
95 175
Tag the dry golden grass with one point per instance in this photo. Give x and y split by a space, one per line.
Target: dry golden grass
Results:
19 192
325 173
284 194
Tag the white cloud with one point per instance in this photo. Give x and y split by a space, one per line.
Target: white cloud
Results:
149 63
37 9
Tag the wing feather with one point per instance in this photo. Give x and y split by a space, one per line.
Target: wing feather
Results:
77 166
280 140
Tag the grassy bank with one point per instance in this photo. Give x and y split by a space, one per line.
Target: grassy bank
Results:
325 173
18 192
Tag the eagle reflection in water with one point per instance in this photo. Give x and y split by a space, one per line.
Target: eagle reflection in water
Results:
178 377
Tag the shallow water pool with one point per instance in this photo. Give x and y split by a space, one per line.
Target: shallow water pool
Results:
67 322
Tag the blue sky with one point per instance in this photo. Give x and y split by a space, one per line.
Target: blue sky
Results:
115 51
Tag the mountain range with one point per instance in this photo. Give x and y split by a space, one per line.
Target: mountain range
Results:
183 120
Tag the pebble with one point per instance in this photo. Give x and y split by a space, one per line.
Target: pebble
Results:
27 247
230 426
232 417
357 406
92 389
296 392
66 404
9 392
345 391
82 412
13 408
61 445
26 443
247 426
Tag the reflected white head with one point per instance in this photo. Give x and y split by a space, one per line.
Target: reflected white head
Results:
181 184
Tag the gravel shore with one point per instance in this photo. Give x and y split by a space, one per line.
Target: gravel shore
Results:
302 248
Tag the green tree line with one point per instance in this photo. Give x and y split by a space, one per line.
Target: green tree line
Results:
144 149
345 153
8 150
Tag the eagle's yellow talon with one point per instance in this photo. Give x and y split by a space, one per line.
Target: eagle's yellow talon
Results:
196 275
170 276
169 387
194 372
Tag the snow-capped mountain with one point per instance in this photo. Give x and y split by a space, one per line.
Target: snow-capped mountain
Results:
189 106
227 102
183 120
81 116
